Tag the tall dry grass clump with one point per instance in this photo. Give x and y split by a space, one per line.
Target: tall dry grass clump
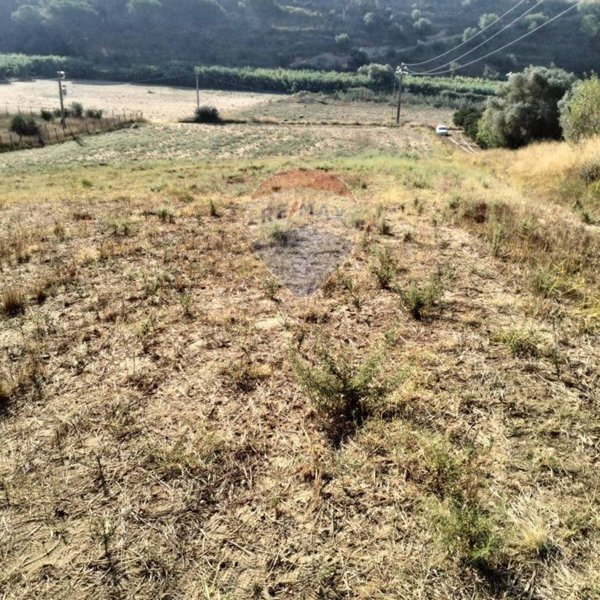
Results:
568 173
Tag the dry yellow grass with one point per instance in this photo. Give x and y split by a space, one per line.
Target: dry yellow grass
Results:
158 442
544 166
566 173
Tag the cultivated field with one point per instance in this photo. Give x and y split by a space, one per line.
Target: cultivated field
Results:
158 103
413 415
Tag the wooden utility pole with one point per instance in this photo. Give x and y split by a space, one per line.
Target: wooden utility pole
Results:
60 78
400 71
197 89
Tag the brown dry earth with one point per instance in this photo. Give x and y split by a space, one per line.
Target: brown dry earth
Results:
167 452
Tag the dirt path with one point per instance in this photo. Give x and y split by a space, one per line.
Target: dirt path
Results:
158 103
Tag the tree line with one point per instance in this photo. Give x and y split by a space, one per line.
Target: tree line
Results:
375 77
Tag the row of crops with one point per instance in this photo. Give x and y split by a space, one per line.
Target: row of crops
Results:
246 79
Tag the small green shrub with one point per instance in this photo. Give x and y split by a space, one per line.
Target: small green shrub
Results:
271 287
358 220
471 532
213 210
207 114
278 236
166 215
383 226
24 127
122 228
383 268
469 529
46 115
547 281
76 110
93 113
521 342
343 389
417 298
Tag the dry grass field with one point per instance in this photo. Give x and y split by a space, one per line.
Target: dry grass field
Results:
177 424
162 104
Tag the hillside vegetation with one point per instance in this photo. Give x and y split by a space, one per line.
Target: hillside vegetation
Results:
322 34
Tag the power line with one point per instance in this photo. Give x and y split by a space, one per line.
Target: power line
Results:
513 22
465 42
564 12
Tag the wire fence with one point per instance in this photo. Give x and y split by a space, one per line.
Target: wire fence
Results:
54 133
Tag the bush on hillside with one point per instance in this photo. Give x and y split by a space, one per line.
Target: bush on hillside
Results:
380 76
24 127
93 113
580 110
207 114
468 118
76 110
526 109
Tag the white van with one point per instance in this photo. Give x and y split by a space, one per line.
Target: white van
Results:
442 130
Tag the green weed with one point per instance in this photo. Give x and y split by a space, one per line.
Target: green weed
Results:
521 342
383 268
418 299
343 389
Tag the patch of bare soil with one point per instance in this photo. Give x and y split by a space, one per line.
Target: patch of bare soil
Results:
301 220
304 258
303 178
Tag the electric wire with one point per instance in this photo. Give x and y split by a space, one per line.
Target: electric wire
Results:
495 35
512 43
465 42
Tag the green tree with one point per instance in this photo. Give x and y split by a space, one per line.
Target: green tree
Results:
526 108
535 20
468 33
381 76
580 110
342 40
590 25
487 19
468 118
423 26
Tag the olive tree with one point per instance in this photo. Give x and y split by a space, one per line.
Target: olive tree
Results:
526 108
580 110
